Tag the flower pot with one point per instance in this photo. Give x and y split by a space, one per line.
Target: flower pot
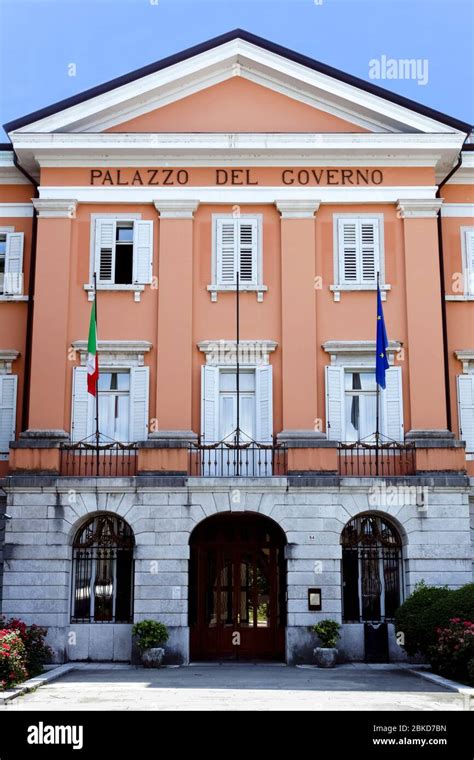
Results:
325 657
152 658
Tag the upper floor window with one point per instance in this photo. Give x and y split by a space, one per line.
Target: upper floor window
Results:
466 411
123 252
468 260
237 247
358 253
11 263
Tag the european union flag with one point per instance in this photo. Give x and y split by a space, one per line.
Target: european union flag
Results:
381 364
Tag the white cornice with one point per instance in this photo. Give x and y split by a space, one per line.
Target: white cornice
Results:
176 209
465 210
298 209
413 208
439 151
9 174
55 208
7 357
357 346
224 352
116 353
8 210
466 357
242 195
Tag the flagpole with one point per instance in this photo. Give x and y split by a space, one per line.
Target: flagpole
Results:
377 403
97 434
238 367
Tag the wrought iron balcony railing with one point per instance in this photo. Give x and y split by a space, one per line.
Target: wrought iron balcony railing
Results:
227 459
86 459
366 460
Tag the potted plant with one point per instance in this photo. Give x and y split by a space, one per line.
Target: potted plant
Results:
149 635
328 633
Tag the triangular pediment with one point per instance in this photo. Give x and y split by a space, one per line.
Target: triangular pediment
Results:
323 98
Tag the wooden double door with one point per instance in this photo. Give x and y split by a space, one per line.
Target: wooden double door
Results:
237 589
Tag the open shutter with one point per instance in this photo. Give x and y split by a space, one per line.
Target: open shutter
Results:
139 383
142 252
82 406
348 250
248 240
226 230
392 404
264 401
13 280
8 384
104 264
369 250
335 403
466 410
209 403
469 284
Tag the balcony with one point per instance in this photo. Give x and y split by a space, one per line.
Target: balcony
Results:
107 460
366 460
229 460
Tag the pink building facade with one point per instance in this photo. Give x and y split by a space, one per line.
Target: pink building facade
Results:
237 494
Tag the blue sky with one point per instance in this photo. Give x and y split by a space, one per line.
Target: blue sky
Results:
39 39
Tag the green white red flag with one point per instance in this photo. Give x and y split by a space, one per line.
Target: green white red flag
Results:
92 357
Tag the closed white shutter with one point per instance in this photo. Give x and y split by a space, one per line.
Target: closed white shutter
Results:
469 284
142 252
8 385
248 241
105 250
392 404
369 250
348 251
13 280
82 406
466 410
209 403
264 402
139 384
335 403
359 242
226 239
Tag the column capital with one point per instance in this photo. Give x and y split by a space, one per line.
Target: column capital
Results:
298 209
176 209
419 208
55 209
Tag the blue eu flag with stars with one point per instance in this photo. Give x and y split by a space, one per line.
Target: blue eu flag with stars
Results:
381 364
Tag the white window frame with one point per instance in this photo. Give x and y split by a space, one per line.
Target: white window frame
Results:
136 288
258 287
466 357
339 285
117 356
7 230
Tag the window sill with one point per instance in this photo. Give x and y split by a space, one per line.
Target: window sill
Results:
258 289
459 298
338 289
136 289
4 298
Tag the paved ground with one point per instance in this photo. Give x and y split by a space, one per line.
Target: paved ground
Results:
239 687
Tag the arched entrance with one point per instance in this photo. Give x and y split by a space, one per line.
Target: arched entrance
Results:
237 594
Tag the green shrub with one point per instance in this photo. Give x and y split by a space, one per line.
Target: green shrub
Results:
328 632
429 608
150 633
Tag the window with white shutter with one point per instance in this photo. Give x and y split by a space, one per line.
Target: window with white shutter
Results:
82 416
392 405
358 251
469 261
237 247
139 391
209 403
8 390
335 403
11 263
123 252
466 410
264 403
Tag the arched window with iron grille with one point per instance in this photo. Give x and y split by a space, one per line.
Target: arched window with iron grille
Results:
371 569
102 577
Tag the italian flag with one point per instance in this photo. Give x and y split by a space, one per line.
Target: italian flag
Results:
92 358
